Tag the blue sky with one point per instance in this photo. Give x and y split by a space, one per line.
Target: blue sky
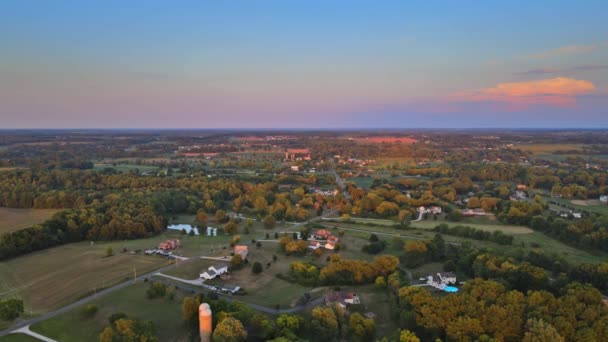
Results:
215 64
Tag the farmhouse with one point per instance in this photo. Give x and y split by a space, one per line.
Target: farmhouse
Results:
321 234
214 271
241 250
169 245
342 298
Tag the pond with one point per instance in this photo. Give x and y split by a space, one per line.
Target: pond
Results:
187 227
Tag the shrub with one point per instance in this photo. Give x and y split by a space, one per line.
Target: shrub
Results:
10 309
88 311
257 267
156 290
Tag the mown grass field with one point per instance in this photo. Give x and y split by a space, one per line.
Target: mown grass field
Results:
537 149
521 241
55 277
592 206
15 219
164 313
18 338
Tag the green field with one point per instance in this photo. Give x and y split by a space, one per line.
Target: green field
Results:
15 219
57 276
126 167
548 244
166 315
592 206
507 229
18 338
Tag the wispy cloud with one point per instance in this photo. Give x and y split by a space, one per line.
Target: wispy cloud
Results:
545 71
566 50
558 92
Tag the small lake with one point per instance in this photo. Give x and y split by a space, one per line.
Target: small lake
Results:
187 227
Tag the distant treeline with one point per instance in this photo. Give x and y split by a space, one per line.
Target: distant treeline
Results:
496 236
125 217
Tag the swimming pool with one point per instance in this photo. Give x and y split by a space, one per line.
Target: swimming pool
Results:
450 289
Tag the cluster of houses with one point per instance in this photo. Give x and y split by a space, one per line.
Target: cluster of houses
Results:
324 236
570 213
169 245
297 154
441 280
429 210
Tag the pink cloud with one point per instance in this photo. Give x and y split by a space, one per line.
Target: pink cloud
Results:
558 92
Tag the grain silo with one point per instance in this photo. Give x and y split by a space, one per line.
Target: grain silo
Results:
204 319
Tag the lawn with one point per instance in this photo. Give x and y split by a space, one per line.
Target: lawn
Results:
15 219
18 338
57 276
507 229
537 149
548 244
166 315
592 206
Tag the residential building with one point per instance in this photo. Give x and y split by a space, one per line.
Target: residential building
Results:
342 298
214 271
169 245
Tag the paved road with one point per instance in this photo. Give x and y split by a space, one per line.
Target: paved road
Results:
230 298
339 180
83 301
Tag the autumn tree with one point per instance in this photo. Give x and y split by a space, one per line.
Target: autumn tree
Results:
229 329
538 330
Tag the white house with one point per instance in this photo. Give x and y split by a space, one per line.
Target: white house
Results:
604 199
441 280
314 245
214 271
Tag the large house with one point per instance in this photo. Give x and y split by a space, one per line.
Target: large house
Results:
473 212
214 271
169 245
342 298
321 234
441 280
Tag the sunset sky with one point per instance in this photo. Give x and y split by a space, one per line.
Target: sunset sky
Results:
303 64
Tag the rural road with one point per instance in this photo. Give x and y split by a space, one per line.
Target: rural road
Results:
80 302
228 298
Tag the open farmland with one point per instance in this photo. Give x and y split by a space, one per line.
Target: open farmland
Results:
57 276
16 219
